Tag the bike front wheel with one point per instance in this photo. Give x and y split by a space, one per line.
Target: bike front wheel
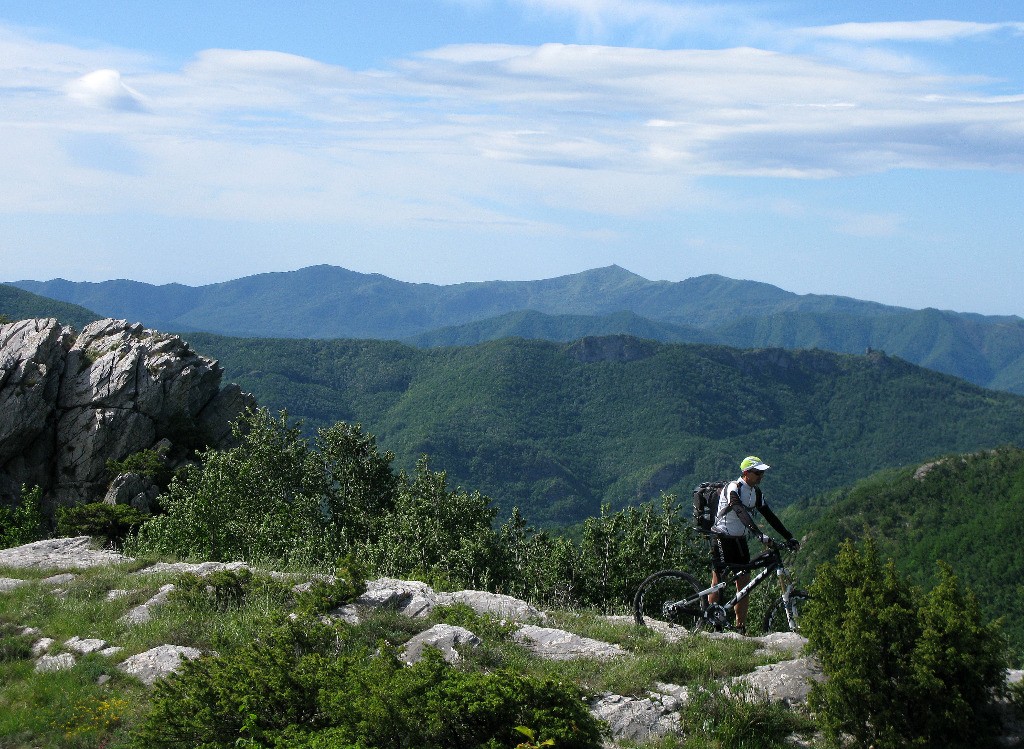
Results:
779 620
672 597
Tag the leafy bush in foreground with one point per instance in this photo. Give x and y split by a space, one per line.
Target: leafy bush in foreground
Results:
904 668
308 685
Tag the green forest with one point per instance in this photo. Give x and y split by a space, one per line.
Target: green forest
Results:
963 510
560 429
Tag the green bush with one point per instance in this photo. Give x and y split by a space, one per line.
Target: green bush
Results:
717 717
14 646
149 463
307 684
112 523
904 668
26 522
322 595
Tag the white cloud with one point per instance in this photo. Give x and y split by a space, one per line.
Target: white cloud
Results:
475 133
909 31
106 90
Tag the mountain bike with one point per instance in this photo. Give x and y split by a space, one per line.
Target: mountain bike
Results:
679 599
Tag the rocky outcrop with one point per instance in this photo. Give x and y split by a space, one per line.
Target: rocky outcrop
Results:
72 402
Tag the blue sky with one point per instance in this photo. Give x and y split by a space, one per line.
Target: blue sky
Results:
869 149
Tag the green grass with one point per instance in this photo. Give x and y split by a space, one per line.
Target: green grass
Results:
73 710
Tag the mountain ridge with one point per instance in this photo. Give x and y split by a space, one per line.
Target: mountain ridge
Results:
328 302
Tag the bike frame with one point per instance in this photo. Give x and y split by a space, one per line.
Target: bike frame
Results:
772 562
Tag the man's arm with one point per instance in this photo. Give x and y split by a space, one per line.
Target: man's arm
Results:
774 522
741 512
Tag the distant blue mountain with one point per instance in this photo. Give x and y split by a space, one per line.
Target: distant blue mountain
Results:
329 302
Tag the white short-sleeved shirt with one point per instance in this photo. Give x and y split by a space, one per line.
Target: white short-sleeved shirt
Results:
729 523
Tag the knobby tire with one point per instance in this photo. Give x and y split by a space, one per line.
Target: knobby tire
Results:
665 586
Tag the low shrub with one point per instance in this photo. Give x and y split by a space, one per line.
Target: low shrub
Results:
24 523
717 717
112 523
307 684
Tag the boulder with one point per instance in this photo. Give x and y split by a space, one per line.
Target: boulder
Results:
157 663
639 719
559 645
132 489
788 682
60 554
446 638
497 605
71 403
59 662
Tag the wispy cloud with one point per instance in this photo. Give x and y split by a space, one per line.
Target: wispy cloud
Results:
909 31
644 20
478 133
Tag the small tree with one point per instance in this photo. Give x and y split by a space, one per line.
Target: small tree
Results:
26 522
904 669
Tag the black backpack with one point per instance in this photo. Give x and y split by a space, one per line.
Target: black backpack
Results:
705 503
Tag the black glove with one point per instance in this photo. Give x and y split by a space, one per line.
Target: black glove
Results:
793 544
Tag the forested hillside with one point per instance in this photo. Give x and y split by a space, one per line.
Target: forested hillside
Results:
329 302
963 509
17 304
558 429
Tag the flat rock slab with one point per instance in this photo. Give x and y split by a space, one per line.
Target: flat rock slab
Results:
559 645
446 638
637 718
497 605
59 554
200 569
85 646
59 662
157 663
144 611
10 583
788 682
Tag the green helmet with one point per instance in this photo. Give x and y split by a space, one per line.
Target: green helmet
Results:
753 463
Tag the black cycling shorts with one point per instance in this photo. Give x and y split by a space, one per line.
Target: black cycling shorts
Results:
729 550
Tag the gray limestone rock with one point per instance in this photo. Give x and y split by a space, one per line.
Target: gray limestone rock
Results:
62 578
42 645
60 554
132 489
10 583
559 645
637 718
445 637
410 598
59 662
71 403
499 606
84 646
788 682
144 611
200 569
158 662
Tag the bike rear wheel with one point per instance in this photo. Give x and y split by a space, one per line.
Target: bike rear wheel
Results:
670 596
776 619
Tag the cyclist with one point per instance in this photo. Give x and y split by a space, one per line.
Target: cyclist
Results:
728 534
